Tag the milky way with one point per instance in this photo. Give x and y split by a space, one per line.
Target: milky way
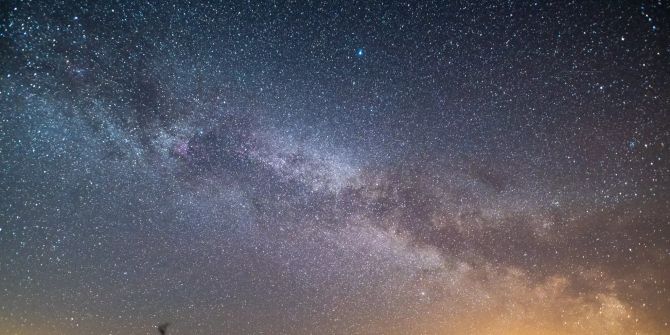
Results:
334 168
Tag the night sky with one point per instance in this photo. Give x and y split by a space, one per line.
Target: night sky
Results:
334 168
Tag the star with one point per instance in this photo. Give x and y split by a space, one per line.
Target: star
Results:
248 169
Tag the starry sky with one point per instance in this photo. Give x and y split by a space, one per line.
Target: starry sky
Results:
307 167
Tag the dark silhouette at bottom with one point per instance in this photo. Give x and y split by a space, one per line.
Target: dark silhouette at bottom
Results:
162 328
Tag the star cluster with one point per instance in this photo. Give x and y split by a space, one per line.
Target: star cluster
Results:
328 168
